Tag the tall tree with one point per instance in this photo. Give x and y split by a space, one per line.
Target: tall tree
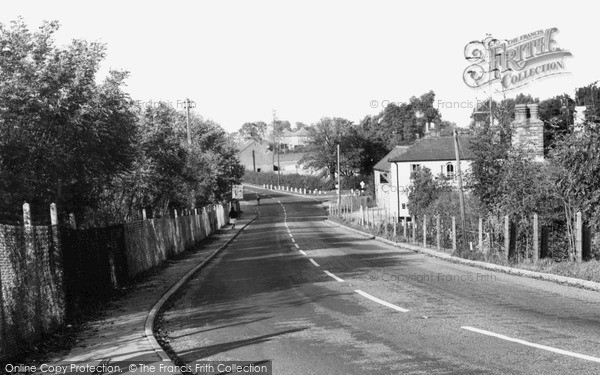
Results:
254 130
325 135
62 136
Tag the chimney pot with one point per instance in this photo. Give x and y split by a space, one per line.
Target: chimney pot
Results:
520 113
533 111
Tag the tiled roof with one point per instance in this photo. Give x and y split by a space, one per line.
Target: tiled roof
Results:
384 164
435 148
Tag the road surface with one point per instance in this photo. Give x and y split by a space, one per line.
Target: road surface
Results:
317 299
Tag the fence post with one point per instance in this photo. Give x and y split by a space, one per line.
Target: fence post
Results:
144 217
424 230
536 248
480 234
438 234
578 238
72 221
414 230
53 214
395 221
453 234
506 236
26 214
404 228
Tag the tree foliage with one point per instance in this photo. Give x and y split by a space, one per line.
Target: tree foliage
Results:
65 138
62 135
424 191
254 130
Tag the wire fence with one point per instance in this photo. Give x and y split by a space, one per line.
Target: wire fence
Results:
476 237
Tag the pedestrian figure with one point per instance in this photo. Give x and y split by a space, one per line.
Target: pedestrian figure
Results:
258 199
233 215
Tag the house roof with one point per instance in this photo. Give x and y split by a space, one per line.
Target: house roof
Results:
300 133
435 148
384 164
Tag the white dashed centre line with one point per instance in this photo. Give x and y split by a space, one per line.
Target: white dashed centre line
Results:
303 253
333 276
291 235
533 345
313 262
293 240
296 245
380 301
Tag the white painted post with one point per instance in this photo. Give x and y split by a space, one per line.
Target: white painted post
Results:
53 214
144 217
26 214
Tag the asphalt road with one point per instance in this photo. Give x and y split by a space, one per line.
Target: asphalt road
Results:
316 299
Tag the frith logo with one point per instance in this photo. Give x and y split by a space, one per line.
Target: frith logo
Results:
515 62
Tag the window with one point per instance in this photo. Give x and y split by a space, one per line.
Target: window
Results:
404 206
414 167
450 170
383 178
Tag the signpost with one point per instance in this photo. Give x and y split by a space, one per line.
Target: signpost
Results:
237 192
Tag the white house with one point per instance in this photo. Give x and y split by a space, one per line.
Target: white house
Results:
294 139
382 176
435 153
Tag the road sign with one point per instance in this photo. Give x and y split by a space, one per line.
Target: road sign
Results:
237 192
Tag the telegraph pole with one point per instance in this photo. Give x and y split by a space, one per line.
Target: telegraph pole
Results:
461 197
339 180
187 115
276 138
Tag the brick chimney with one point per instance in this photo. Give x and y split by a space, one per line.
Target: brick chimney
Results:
528 130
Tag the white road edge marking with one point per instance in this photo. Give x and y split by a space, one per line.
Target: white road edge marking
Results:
303 253
334 276
380 301
534 345
296 245
313 262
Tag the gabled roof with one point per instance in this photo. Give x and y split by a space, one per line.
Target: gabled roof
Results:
435 148
384 164
302 133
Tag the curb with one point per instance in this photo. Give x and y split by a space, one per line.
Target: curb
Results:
149 325
571 281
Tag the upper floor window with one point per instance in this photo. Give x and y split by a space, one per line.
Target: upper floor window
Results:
414 167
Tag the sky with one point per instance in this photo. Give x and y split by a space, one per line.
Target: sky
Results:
241 60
